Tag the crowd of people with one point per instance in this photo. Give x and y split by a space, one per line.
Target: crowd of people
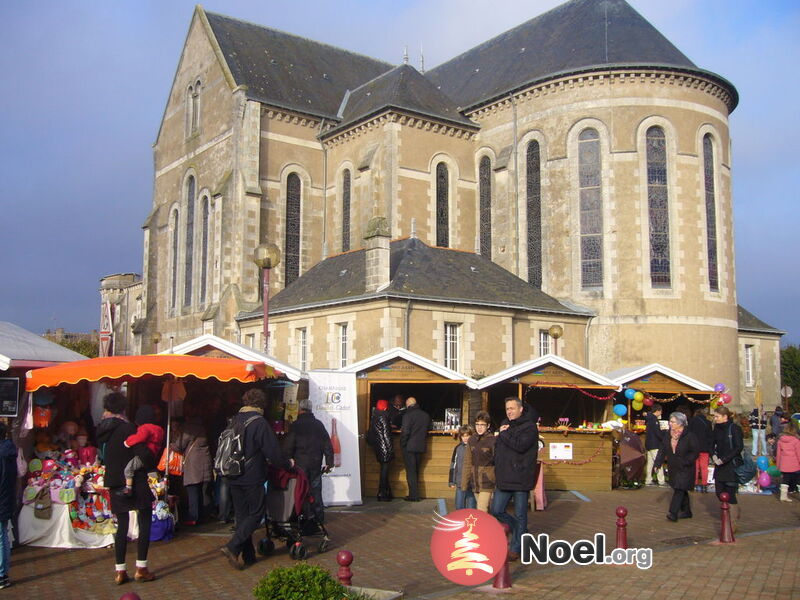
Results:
691 443
489 469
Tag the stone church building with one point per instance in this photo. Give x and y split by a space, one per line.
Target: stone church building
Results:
564 188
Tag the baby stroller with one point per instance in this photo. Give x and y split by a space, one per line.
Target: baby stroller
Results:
289 515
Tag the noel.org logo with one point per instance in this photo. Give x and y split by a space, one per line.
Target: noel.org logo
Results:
468 546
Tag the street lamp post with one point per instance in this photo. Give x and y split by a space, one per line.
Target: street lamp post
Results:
266 257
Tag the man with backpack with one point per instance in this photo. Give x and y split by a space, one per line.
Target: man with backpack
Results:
250 435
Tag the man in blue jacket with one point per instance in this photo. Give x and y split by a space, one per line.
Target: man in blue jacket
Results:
247 490
515 452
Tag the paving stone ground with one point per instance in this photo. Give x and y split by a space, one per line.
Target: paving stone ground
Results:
390 542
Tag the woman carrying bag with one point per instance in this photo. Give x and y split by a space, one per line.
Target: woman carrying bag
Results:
727 455
680 450
192 443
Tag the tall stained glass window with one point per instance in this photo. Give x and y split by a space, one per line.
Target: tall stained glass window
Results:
173 299
204 251
442 205
591 205
346 210
291 252
533 200
485 208
711 212
189 246
658 207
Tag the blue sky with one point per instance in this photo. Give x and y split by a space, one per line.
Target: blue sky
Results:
86 82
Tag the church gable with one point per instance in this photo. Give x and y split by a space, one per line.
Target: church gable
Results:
198 105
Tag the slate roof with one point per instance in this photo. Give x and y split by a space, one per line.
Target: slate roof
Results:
403 88
417 271
580 35
289 71
749 322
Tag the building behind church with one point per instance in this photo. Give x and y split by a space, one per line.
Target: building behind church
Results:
563 188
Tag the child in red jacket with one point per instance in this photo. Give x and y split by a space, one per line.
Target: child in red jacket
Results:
149 434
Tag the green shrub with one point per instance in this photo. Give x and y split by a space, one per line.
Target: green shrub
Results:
301 582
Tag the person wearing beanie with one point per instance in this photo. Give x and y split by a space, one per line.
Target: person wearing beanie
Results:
776 420
379 436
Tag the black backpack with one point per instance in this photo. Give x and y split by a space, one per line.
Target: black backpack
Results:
743 465
230 460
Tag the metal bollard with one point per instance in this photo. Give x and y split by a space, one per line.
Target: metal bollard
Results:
502 581
622 528
345 559
726 531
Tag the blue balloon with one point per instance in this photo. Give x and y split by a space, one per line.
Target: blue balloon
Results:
762 463
620 410
630 393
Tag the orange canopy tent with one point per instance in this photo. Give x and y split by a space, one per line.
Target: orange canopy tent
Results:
134 367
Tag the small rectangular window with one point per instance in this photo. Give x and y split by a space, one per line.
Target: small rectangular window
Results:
451 345
749 375
302 348
342 344
250 340
544 342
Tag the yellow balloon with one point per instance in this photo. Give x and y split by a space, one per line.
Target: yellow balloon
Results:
638 396
637 405
714 404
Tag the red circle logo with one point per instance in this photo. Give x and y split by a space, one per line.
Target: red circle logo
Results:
468 546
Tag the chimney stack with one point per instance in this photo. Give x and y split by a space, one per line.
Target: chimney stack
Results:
377 254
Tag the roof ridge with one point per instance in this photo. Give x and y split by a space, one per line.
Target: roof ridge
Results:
295 35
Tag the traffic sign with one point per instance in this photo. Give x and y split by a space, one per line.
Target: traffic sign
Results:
786 391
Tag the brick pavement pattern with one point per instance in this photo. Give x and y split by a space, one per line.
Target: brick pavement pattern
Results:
390 542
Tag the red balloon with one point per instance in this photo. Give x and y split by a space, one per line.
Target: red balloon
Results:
725 398
648 401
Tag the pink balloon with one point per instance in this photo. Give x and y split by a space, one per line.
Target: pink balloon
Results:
764 480
725 397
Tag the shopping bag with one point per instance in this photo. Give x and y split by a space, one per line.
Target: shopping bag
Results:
175 462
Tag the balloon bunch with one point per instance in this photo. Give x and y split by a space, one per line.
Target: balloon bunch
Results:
764 477
638 400
723 398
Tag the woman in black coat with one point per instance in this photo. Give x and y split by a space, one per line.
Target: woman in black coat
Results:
727 452
680 450
112 432
379 437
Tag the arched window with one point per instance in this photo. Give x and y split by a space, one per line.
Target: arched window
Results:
173 299
711 212
204 250
485 208
291 251
533 200
189 246
658 207
193 108
591 201
442 205
346 210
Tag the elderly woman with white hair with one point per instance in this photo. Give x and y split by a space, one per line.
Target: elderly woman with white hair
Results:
680 449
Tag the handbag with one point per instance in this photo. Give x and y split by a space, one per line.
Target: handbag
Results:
175 462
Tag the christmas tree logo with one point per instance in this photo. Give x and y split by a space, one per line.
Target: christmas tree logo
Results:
468 546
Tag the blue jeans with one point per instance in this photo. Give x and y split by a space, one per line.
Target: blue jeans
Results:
759 437
465 499
5 549
519 522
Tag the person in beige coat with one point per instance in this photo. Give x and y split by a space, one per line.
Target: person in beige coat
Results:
478 469
193 444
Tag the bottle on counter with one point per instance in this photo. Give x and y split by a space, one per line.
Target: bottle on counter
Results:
337 445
